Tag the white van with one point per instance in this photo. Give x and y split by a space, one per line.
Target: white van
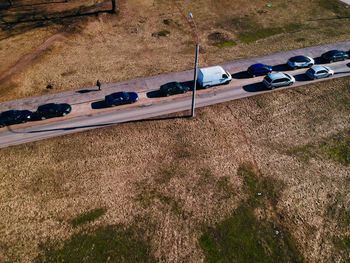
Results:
212 76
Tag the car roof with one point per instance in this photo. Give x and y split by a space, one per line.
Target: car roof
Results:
277 75
258 65
47 105
212 70
299 56
318 67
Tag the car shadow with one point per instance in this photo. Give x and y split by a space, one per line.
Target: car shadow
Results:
255 87
348 65
302 77
320 60
341 72
241 75
101 104
281 67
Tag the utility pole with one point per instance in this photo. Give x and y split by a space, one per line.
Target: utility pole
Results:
195 30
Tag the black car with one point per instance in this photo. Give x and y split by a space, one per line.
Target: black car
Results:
12 117
173 88
52 110
120 98
335 55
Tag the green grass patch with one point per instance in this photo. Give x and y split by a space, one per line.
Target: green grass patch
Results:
253 35
242 237
88 217
105 244
260 189
336 148
335 7
225 44
342 246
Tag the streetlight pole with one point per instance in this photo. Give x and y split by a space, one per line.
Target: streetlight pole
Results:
192 22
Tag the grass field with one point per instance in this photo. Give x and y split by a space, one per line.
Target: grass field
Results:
264 177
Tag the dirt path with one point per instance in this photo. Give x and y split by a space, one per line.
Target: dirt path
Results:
30 57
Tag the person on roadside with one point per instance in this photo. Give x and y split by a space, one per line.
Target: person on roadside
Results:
98 84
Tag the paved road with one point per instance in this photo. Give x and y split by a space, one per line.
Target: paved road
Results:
346 1
87 113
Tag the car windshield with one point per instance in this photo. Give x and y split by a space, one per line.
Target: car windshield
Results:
311 70
268 79
299 59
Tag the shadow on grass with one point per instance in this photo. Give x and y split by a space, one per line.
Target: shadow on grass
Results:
242 237
104 244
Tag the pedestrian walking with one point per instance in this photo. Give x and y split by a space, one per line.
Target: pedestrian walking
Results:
98 84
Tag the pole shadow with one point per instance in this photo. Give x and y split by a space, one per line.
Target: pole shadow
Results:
255 87
108 124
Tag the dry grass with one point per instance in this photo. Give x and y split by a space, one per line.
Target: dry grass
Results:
172 178
114 48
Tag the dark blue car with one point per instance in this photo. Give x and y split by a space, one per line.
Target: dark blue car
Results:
259 69
120 98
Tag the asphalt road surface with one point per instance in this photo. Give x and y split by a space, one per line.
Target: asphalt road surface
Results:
89 111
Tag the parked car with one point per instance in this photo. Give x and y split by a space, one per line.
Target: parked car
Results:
12 117
279 79
335 55
300 62
212 76
259 69
318 72
173 88
120 98
52 110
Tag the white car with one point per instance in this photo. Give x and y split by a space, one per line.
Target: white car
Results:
300 62
279 79
319 72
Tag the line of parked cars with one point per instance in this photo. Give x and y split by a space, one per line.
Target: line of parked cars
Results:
281 79
43 112
207 77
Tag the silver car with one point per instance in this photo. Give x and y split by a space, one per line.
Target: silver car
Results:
318 72
300 62
279 79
